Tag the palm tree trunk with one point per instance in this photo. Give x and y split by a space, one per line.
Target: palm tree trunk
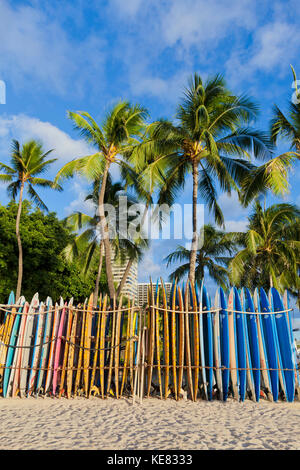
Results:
20 268
105 234
96 291
195 235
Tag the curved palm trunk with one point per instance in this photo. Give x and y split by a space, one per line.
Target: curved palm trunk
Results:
105 234
195 235
20 268
96 291
125 275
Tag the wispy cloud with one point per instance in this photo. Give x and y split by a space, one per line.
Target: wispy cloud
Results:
23 127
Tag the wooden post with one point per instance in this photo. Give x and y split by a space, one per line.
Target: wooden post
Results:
143 363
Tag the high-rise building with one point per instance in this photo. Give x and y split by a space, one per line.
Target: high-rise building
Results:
143 290
130 288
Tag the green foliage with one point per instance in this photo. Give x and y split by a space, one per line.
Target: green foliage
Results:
213 256
45 269
270 249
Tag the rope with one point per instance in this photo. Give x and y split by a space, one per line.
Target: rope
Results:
56 309
219 309
197 312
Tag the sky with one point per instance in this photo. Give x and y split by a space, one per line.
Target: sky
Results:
76 55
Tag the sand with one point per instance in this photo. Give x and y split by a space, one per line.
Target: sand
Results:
117 424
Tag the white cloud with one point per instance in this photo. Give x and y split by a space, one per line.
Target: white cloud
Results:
148 267
275 42
198 22
231 206
274 46
79 188
130 7
236 225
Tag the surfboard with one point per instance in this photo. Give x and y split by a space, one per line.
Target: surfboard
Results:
117 346
9 318
36 348
11 352
201 338
71 354
251 322
15 379
65 351
196 340
102 346
217 344
281 377
94 389
225 350
45 345
27 344
173 340
53 339
151 339
264 364
187 341
181 341
293 343
58 344
233 354
166 339
269 336
109 391
208 341
127 348
241 343
284 344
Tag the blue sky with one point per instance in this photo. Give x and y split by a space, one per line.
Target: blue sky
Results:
57 56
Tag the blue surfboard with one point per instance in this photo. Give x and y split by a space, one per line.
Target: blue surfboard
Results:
286 304
269 336
208 341
284 344
224 335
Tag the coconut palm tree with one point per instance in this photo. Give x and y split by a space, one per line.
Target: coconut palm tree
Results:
213 254
270 250
274 174
212 140
120 129
288 126
27 164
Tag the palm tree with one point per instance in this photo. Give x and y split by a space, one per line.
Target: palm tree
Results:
88 245
213 141
270 250
273 174
288 126
27 164
290 276
214 255
120 129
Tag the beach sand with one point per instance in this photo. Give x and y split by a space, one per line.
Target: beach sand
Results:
155 424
